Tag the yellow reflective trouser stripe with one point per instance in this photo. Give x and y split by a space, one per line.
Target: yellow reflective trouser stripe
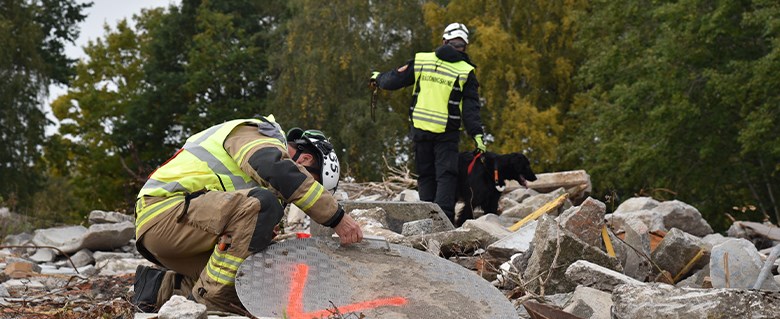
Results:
223 267
311 196
242 152
145 214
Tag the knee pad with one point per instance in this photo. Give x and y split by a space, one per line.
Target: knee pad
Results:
271 212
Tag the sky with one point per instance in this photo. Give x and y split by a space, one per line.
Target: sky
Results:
102 12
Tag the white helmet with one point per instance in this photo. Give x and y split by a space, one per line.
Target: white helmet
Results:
456 30
326 157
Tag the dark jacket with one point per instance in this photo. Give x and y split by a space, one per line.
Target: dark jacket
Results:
395 79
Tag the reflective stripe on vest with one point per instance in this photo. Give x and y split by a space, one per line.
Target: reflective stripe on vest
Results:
435 82
203 163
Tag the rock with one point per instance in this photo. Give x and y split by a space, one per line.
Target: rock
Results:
18 240
296 217
103 255
4 292
634 204
712 240
517 242
82 258
21 269
585 221
397 213
43 255
589 303
744 264
489 224
178 307
696 280
108 236
124 266
676 250
373 222
417 227
68 238
636 263
458 241
687 218
407 195
102 217
653 220
548 234
665 301
533 203
519 195
588 274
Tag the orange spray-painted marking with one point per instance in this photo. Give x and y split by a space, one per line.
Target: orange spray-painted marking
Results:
295 299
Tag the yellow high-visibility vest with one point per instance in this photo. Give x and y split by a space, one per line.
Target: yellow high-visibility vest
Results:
438 92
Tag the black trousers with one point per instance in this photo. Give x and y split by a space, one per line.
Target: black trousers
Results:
436 158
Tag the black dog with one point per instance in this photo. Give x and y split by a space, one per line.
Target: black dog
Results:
481 180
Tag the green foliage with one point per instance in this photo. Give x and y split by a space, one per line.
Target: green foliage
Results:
675 94
657 98
32 36
323 67
525 67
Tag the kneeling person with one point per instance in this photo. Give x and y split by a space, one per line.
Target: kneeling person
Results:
218 199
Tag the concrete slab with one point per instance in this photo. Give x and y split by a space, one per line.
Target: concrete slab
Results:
398 213
302 278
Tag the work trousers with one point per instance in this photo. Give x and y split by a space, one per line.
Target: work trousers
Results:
436 158
188 236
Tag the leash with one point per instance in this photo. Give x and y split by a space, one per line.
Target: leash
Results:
495 171
471 165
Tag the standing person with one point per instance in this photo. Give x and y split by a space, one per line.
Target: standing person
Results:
445 93
219 198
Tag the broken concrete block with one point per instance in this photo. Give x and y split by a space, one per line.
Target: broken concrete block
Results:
665 301
103 217
178 307
108 236
18 239
533 203
712 240
519 195
111 267
589 303
588 274
653 220
687 218
373 222
106 255
43 255
489 224
407 195
551 238
636 263
516 242
21 269
634 204
676 250
579 180
458 241
417 227
585 221
68 239
744 264
397 213
696 280
81 258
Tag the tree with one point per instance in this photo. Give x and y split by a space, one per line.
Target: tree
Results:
323 65
672 104
32 37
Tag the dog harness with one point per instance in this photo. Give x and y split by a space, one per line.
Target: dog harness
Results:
499 188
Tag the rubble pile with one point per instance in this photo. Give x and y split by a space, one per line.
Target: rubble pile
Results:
646 259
